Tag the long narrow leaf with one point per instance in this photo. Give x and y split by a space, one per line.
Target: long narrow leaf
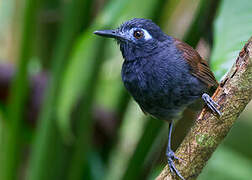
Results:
19 89
229 37
47 135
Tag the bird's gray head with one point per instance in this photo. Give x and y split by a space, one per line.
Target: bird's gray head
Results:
137 38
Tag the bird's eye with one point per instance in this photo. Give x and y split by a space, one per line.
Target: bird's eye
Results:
138 34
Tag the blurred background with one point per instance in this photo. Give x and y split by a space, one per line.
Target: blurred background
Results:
64 113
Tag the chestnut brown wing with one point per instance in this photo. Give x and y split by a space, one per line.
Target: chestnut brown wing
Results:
199 67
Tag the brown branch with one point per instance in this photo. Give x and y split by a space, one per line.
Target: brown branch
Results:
233 94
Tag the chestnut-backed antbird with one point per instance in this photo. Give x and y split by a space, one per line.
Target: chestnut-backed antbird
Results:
163 74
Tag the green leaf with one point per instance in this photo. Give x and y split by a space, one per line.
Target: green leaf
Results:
80 64
47 133
85 50
233 27
13 132
227 164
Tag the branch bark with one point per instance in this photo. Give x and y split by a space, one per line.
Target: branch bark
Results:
233 94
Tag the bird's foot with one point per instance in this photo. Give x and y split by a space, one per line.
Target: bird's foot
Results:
170 157
211 103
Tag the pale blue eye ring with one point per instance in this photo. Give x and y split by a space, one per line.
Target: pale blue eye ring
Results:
139 33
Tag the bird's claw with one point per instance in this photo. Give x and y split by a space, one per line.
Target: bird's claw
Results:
211 103
170 158
171 154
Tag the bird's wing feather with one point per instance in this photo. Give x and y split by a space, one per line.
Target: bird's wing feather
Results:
199 66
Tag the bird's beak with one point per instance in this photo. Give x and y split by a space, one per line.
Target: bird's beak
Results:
109 34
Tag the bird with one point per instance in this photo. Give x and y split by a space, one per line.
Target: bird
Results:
163 74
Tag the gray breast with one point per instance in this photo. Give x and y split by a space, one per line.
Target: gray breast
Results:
160 90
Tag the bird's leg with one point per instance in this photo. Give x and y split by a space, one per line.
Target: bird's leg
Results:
210 103
171 155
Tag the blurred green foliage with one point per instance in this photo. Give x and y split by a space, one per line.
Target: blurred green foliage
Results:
233 27
65 113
